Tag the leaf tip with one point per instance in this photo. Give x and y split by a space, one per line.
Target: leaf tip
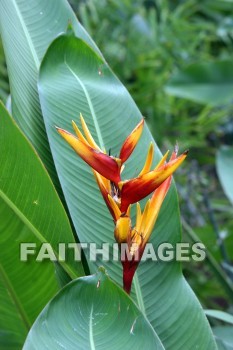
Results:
70 29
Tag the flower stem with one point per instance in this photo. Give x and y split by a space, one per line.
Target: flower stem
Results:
129 268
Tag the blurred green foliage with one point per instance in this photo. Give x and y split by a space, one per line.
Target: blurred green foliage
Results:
145 42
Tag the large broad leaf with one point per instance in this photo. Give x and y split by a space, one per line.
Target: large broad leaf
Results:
97 315
209 83
30 212
75 79
224 164
27 28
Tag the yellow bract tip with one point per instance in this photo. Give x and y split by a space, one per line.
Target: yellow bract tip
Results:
114 207
88 134
79 134
149 159
162 161
138 217
128 210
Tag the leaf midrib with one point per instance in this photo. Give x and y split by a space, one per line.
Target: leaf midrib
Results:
138 292
92 110
91 337
35 231
27 35
15 299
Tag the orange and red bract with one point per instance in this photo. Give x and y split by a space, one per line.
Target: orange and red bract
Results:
131 142
140 187
119 194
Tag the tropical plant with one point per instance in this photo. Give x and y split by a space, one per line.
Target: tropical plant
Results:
49 200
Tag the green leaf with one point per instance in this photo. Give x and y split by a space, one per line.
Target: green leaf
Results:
224 337
31 212
75 79
25 288
220 315
208 83
224 165
26 33
98 315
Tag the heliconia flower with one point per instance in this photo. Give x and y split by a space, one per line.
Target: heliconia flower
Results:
119 195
